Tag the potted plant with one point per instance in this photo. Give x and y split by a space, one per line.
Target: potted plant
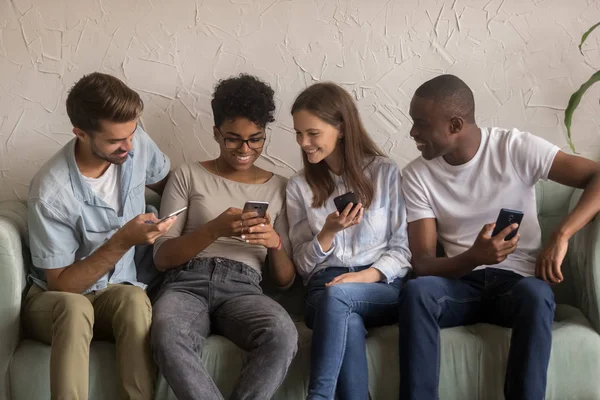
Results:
576 97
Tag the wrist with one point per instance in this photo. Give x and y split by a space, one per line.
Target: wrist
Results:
561 234
119 242
279 244
372 274
208 231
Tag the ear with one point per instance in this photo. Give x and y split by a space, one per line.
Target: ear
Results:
216 133
81 135
456 124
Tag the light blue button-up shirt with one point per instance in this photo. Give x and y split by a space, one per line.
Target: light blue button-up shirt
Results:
380 239
68 222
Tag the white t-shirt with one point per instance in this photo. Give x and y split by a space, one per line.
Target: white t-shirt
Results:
106 186
463 198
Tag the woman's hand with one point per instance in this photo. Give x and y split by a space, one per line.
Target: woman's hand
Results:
262 234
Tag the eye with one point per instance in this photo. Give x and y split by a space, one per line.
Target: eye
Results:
256 140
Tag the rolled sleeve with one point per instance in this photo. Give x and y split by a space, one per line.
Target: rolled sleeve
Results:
53 241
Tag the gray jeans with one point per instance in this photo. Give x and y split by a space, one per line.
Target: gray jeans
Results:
221 296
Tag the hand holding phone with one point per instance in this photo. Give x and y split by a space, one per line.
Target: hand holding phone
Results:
341 202
507 217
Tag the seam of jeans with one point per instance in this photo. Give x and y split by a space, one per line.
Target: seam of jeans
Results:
455 300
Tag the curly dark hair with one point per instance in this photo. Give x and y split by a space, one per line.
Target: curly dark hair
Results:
243 96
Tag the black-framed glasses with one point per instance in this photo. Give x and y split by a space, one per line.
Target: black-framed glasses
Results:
253 143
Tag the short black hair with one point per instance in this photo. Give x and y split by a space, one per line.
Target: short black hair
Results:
451 94
243 96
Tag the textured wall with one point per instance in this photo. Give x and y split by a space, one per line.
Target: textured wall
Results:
519 56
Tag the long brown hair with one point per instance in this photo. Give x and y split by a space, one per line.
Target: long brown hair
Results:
334 105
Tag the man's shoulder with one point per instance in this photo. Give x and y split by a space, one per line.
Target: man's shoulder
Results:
416 166
52 183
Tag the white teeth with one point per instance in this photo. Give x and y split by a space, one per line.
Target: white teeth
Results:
243 158
310 151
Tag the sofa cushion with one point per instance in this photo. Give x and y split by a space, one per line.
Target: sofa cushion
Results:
472 364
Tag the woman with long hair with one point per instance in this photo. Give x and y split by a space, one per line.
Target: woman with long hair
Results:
353 261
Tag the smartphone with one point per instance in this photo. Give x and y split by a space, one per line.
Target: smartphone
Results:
173 214
505 218
341 202
260 207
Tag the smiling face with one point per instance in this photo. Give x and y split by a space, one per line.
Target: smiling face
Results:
241 142
112 143
431 129
318 139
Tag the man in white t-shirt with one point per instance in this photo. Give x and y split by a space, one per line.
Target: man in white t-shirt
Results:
453 194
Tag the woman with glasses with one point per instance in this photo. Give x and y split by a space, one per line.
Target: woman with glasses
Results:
214 255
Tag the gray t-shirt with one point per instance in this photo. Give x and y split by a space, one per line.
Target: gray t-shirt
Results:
207 196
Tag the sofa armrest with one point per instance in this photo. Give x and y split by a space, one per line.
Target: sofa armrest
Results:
584 267
13 265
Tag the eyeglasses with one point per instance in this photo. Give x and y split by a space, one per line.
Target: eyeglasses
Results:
253 143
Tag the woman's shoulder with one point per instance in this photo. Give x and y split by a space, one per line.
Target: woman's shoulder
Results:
385 165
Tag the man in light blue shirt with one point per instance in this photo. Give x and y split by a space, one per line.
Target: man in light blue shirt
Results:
86 215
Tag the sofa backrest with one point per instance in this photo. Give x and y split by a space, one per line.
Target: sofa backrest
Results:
553 202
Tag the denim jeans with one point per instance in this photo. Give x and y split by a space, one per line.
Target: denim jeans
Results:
491 295
339 316
221 296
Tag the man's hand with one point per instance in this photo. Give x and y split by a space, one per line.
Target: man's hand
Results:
488 250
365 276
143 229
232 222
547 266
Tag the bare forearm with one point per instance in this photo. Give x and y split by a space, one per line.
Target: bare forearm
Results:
282 267
586 209
81 275
448 267
177 251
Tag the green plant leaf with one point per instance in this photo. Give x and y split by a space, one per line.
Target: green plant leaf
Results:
585 36
574 102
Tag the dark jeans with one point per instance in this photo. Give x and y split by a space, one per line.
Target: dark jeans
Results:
339 316
494 296
224 297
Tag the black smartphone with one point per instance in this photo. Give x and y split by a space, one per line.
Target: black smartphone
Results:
505 218
260 207
341 202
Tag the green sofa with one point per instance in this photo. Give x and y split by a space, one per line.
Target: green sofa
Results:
473 357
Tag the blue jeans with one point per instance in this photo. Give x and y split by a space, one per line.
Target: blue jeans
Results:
223 297
493 296
339 316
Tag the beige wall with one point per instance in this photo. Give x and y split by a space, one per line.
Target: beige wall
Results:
519 56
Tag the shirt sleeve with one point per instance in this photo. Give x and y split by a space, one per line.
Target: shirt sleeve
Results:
53 242
306 249
415 197
157 163
395 261
175 197
531 156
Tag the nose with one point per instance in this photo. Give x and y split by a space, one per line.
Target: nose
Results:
245 147
127 146
302 139
412 132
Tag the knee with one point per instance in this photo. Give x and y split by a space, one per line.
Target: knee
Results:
415 291
535 296
135 308
338 294
284 335
75 313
